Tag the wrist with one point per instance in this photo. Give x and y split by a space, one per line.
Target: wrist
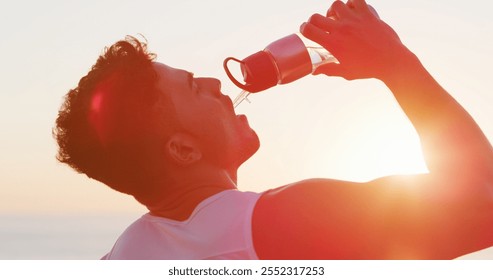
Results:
400 64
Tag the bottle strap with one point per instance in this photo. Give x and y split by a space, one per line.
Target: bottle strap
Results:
230 75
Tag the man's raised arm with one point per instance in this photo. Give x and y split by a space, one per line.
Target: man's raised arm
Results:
443 214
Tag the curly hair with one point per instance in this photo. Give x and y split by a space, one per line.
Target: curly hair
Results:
107 124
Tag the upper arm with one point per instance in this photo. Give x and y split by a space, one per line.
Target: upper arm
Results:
393 217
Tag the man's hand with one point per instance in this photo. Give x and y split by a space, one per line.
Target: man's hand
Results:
365 46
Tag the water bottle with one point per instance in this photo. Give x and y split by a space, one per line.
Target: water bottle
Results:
281 62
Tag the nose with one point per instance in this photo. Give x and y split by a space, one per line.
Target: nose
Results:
211 83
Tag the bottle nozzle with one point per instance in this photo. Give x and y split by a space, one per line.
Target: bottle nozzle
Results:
242 96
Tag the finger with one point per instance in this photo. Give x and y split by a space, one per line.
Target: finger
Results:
331 69
316 34
325 23
339 10
373 11
357 4
362 7
334 70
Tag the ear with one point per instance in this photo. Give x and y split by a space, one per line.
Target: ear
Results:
183 149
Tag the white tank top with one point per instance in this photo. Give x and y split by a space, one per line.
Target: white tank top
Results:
220 227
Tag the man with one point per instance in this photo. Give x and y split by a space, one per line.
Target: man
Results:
173 142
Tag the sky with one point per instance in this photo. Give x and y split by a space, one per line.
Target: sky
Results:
315 127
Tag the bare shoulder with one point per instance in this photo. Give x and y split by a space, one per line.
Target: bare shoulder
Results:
307 219
326 194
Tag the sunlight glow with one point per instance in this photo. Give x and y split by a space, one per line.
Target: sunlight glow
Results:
400 157
384 146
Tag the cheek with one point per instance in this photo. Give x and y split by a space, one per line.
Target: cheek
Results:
213 132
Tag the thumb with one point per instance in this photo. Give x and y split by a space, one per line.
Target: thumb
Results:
330 69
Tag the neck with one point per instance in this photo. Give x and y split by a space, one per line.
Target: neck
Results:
187 188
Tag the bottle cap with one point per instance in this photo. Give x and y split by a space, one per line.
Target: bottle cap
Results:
258 70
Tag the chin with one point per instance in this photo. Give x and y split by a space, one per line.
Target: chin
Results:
248 149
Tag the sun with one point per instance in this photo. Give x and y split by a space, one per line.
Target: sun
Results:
376 141
400 154
383 148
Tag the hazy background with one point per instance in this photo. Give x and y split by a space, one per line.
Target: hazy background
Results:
315 127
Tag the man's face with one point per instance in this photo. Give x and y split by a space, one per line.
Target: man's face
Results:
205 113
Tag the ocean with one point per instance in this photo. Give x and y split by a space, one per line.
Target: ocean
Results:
79 237
60 237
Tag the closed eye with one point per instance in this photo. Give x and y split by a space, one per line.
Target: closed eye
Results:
190 80
191 83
